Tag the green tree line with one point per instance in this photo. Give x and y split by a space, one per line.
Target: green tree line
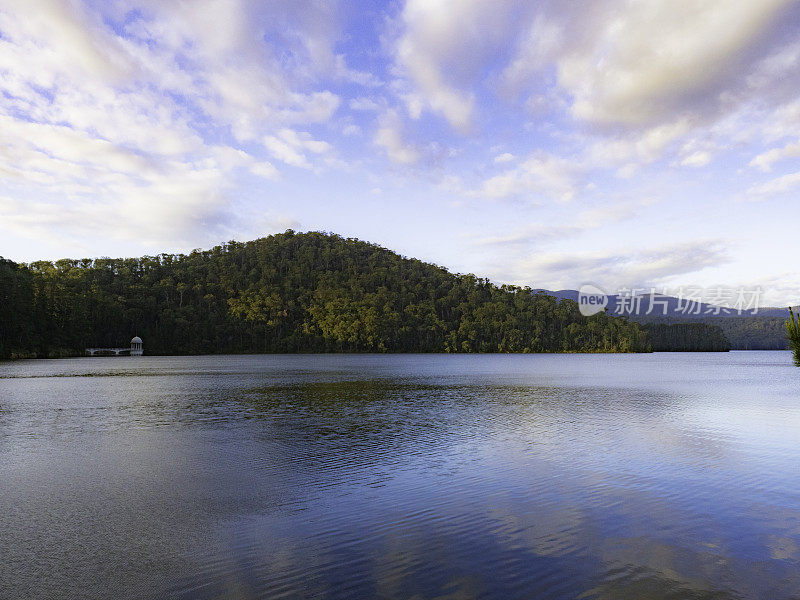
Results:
687 337
291 292
743 332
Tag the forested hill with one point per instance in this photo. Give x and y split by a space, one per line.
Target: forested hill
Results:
292 292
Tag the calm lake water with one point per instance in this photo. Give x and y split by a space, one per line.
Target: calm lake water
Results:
403 476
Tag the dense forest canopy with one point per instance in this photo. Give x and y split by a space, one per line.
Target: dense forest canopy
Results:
291 292
744 333
687 337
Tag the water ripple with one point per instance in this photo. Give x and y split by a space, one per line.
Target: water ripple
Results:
667 476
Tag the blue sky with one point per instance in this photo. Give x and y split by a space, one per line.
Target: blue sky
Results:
551 144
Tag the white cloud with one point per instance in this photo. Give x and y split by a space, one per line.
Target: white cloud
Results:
390 138
765 160
264 169
640 147
778 289
779 66
779 185
640 268
531 236
580 222
212 52
112 113
535 49
442 47
540 174
351 130
699 158
640 63
61 38
640 74
779 122
179 206
364 103
291 147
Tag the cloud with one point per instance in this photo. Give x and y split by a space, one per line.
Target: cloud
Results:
442 50
351 129
212 52
291 147
585 220
641 268
363 103
637 75
642 147
61 38
168 202
622 63
127 113
779 289
537 47
696 159
779 185
389 137
765 160
531 236
181 207
540 175
264 169
640 64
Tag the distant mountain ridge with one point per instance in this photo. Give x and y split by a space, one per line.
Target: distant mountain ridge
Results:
762 329
669 306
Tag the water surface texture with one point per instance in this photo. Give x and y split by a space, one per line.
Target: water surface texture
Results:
402 476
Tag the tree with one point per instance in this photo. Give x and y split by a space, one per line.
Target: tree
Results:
793 333
291 292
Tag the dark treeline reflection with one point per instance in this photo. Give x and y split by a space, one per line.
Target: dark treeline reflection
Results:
309 292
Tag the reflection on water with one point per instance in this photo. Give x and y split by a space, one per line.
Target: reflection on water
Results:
415 476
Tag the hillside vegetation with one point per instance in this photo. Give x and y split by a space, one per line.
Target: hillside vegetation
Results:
309 292
687 337
744 333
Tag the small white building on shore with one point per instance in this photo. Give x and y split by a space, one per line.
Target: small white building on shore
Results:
137 348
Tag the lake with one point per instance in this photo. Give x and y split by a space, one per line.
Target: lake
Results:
401 476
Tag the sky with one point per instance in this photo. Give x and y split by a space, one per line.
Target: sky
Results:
627 144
